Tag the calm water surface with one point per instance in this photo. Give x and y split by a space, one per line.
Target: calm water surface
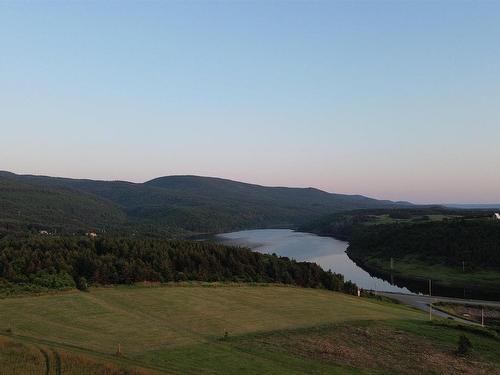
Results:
328 252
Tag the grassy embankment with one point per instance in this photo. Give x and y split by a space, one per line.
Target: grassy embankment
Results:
489 315
270 329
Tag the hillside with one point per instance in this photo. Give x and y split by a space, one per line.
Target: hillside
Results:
456 248
231 329
183 203
473 242
54 207
460 255
341 224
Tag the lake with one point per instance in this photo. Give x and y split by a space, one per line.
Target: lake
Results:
327 252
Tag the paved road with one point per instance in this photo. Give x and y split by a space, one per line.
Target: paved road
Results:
422 302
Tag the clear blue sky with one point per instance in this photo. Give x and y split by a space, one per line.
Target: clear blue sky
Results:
397 100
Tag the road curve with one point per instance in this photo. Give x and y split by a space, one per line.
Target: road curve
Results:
422 302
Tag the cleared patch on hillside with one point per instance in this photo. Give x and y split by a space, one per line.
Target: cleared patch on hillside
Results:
384 347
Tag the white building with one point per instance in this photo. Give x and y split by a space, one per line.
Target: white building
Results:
497 216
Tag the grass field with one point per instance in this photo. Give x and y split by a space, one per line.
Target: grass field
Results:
182 330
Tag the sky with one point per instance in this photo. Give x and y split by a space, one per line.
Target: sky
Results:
390 99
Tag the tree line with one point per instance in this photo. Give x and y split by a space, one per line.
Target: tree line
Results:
475 242
69 261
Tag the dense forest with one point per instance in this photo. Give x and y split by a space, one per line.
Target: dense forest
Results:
172 206
44 261
449 242
341 225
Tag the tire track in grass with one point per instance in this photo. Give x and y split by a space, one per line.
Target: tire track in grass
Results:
105 357
58 361
47 360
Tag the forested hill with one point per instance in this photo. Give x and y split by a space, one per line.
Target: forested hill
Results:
476 242
341 224
167 204
41 206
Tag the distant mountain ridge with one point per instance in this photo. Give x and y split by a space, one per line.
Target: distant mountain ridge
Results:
473 205
166 204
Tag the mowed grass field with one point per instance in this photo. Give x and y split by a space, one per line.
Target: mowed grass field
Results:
142 319
182 330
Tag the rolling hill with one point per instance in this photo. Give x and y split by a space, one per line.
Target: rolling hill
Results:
230 329
172 203
42 207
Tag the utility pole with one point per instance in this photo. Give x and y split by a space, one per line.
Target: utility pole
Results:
482 316
430 289
430 311
392 263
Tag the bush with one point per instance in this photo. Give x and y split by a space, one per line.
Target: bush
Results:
464 345
59 280
82 284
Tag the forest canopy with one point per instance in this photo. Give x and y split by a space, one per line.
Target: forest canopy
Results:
451 242
68 261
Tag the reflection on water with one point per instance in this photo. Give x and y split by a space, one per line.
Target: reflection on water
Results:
328 252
